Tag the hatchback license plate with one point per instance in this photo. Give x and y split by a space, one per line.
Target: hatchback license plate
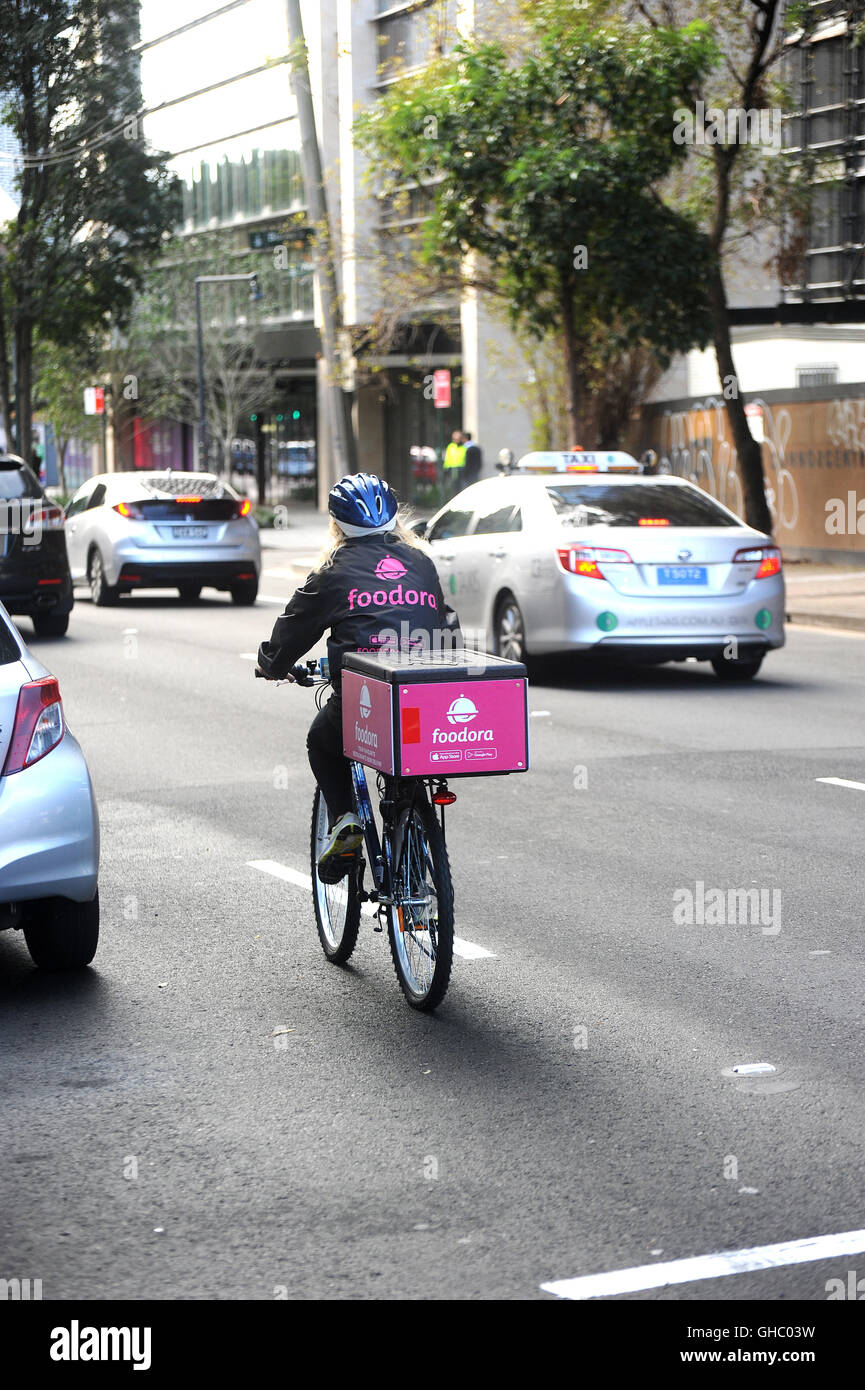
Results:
682 574
189 533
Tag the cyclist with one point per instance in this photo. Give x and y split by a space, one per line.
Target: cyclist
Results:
374 576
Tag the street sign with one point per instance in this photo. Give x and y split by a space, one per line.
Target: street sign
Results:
94 400
442 389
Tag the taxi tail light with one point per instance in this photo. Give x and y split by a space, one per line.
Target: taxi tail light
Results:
39 725
244 507
584 560
768 557
129 510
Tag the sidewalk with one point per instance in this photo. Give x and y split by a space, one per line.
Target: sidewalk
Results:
825 595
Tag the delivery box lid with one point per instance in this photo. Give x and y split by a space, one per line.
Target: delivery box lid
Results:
394 665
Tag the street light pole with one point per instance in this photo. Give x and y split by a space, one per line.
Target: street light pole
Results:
252 280
202 415
313 180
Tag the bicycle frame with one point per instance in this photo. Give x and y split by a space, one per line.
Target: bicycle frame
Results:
380 854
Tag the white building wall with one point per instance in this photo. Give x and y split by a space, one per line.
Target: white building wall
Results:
766 359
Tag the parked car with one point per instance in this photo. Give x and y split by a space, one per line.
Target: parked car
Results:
128 531
296 461
49 825
592 555
34 569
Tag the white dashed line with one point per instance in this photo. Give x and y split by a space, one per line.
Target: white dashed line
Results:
248 656
842 782
717 1266
466 949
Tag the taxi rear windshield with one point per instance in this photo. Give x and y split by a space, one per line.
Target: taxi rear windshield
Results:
177 510
635 504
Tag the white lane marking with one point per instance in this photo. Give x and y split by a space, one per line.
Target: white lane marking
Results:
827 630
248 656
539 714
467 949
272 598
748 1069
716 1266
841 782
819 953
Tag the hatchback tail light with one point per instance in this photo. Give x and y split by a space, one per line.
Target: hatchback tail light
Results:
244 507
49 517
767 557
129 510
585 559
39 725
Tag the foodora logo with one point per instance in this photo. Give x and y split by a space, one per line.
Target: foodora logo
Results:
462 711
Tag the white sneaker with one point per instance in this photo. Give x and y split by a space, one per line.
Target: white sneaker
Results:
343 842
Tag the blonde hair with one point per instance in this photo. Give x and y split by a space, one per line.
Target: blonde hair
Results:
402 531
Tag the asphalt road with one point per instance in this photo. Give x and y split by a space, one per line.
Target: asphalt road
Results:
565 1113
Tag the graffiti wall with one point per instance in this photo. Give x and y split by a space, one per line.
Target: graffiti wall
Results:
813 459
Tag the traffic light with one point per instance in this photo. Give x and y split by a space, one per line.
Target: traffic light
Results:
295 415
252 419
279 419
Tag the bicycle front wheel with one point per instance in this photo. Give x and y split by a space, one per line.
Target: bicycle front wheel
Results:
337 905
421 924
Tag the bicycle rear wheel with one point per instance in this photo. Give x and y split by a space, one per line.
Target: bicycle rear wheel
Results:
337 905
421 925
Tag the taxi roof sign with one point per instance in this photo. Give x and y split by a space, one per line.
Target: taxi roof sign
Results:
578 461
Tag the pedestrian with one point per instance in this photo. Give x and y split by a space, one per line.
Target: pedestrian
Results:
454 464
473 459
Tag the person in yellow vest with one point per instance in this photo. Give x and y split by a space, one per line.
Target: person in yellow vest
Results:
454 463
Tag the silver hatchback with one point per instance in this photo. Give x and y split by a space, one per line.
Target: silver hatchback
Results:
128 531
582 559
49 826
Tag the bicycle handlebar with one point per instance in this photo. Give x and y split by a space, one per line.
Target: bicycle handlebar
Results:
310 674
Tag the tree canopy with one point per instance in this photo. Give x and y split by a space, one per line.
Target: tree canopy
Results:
546 165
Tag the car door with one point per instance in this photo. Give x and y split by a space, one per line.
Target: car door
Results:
76 545
447 540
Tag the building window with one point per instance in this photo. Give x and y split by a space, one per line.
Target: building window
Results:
412 37
822 375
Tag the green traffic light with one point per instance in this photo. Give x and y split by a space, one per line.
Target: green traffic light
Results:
252 419
295 415
280 417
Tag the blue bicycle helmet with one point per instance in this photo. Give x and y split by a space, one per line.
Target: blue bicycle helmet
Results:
363 505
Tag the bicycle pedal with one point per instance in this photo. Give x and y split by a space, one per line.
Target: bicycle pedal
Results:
336 868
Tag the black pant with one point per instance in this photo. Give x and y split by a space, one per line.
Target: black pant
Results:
328 762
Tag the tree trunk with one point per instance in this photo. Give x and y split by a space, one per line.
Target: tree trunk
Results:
24 398
572 374
62 446
5 385
260 461
750 454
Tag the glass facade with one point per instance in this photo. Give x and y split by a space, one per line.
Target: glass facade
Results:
409 37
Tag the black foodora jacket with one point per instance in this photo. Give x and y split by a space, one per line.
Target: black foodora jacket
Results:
377 591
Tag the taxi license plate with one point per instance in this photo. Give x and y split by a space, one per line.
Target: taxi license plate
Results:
682 574
189 533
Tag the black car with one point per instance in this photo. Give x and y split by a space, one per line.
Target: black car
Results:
34 567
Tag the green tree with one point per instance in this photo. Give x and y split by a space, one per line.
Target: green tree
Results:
545 168
749 199
94 205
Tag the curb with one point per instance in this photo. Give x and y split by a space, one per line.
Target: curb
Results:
834 620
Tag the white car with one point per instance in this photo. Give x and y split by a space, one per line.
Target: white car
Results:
580 551
143 530
49 825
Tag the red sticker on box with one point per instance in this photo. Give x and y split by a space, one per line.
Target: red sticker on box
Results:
411 724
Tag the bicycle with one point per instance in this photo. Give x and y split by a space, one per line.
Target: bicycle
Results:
410 870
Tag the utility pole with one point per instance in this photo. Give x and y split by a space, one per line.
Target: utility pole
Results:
313 178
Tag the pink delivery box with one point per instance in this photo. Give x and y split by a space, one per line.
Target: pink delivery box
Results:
439 714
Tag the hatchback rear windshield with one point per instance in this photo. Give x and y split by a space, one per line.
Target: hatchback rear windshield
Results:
635 504
176 509
17 481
